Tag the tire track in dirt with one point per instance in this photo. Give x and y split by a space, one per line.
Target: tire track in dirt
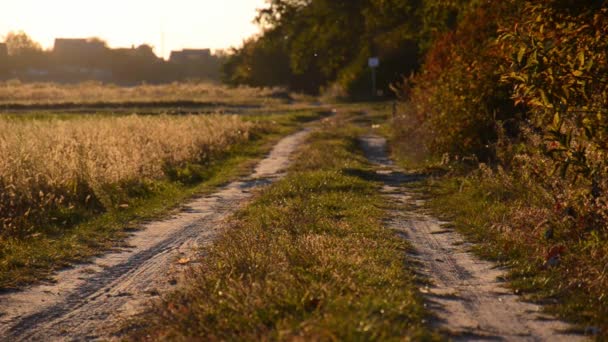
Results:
467 297
88 301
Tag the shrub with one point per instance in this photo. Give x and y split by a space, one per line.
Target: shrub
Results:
457 100
559 71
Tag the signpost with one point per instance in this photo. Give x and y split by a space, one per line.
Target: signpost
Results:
373 63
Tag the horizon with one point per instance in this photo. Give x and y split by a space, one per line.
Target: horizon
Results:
185 24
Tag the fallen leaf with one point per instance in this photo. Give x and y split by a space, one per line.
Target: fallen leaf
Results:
183 261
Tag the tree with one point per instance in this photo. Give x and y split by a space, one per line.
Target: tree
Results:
20 44
318 43
23 51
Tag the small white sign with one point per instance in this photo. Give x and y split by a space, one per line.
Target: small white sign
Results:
374 62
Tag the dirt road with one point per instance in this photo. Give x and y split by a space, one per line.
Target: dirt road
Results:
88 301
467 297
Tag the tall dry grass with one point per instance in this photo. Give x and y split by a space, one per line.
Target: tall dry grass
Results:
50 169
16 92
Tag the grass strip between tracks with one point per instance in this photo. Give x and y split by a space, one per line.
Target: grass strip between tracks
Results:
308 259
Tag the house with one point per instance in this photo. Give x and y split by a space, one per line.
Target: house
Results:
3 51
74 50
73 46
186 56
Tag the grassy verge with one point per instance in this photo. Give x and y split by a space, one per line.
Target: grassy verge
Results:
36 257
512 224
514 221
308 259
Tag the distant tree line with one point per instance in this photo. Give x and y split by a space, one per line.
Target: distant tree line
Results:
324 45
92 59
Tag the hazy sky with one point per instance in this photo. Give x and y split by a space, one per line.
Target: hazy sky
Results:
211 24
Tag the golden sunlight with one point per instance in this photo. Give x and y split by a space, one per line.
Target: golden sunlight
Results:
165 25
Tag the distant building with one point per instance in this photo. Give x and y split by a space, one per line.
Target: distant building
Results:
142 53
4 61
77 45
3 51
73 49
125 51
190 55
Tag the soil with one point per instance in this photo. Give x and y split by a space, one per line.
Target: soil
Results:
467 296
88 301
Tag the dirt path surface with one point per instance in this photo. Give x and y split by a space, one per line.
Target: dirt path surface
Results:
88 301
466 295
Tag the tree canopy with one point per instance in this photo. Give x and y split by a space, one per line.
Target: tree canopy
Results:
314 45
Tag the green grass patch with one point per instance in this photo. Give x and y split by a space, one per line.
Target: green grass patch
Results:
309 259
79 235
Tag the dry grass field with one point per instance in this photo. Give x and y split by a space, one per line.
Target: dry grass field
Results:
51 168
75 183
15 92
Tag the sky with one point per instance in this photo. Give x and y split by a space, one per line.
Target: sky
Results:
215 24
